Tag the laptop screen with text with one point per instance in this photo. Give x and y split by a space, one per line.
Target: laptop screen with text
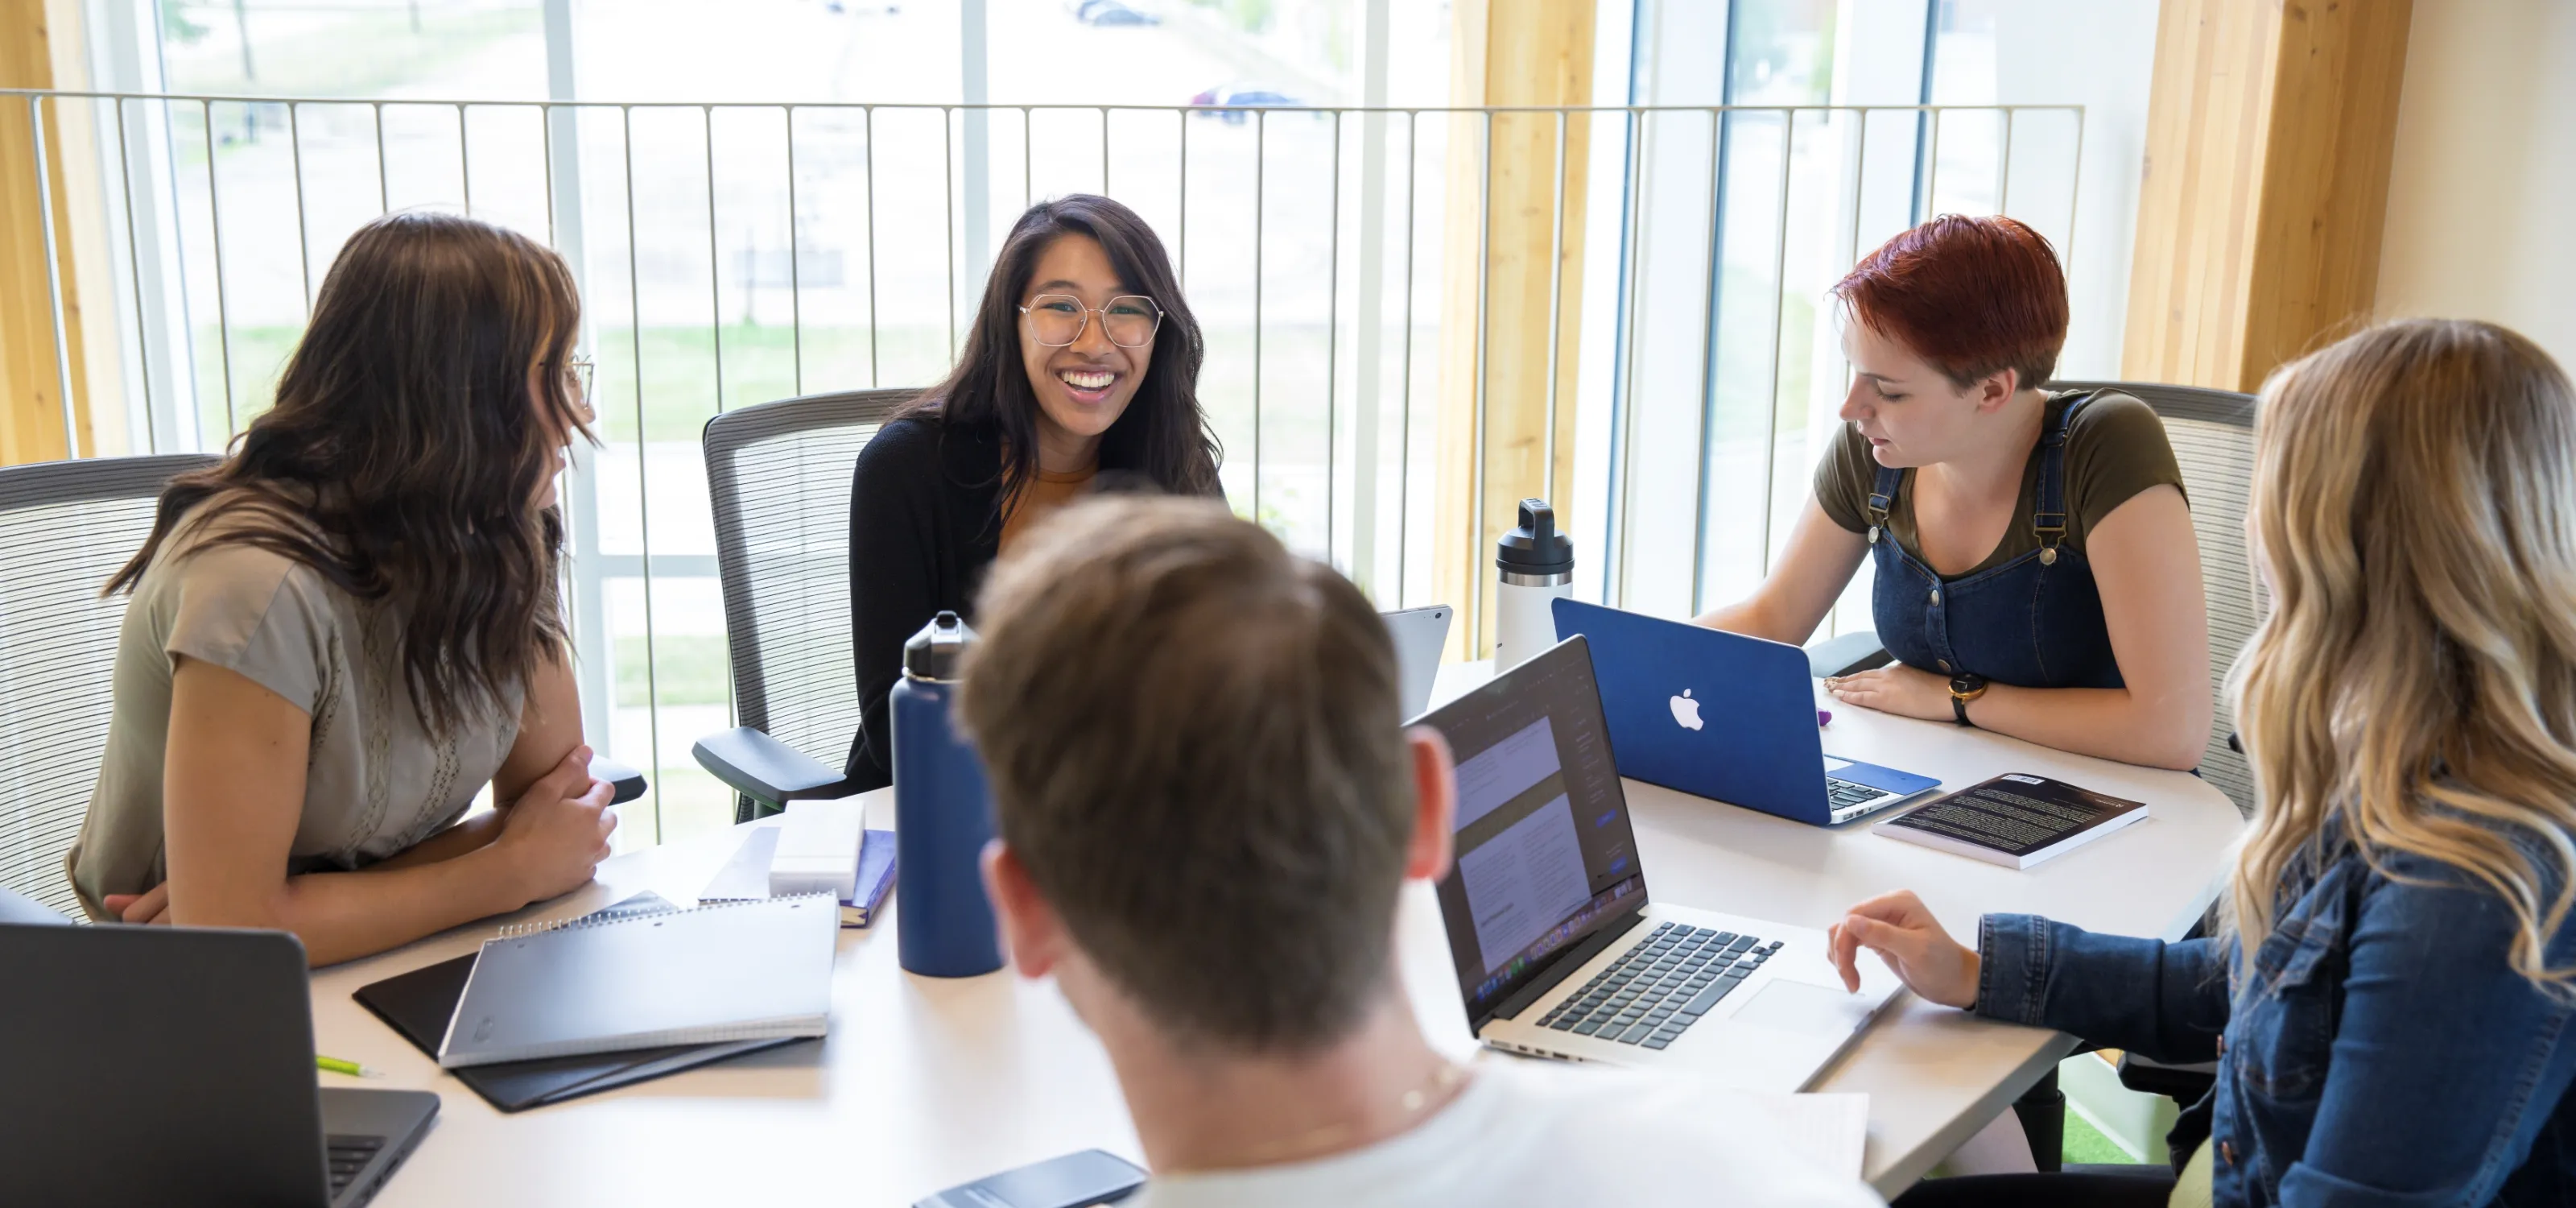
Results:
1545 855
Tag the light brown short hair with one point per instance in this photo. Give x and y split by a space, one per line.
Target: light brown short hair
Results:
1196 750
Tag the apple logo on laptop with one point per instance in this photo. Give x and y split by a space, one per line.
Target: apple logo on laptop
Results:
1686 710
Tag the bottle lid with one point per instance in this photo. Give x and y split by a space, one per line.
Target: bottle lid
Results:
936 651
1535 548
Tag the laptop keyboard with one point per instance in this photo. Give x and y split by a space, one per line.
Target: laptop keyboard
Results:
1843 794
1661 986
349 1155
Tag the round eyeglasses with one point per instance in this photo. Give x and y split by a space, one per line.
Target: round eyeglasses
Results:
1057 320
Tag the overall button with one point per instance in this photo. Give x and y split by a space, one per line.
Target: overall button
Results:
1944 664
1936 596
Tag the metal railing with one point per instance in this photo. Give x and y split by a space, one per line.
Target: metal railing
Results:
189 192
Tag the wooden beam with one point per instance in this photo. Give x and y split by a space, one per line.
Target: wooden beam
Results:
32 370
1502 312
2269 134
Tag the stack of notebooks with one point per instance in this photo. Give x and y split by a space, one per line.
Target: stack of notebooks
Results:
641 989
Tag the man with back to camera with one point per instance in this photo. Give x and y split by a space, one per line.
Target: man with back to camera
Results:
1207 807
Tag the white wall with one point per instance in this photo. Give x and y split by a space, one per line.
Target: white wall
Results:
2483 188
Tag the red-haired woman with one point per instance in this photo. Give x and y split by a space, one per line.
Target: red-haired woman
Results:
2036 573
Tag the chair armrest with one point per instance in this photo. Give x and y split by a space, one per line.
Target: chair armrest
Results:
767 770
2186 1083
629 782
1846 653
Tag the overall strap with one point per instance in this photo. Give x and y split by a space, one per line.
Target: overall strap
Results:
1882 495
2048 515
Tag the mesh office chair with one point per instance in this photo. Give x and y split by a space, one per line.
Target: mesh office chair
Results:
2212 432
779 475
65 528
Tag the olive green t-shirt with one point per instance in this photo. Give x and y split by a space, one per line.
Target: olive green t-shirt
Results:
2115 448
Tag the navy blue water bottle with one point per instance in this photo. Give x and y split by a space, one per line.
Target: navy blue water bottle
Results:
943 815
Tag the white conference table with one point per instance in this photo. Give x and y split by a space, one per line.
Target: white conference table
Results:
925 1083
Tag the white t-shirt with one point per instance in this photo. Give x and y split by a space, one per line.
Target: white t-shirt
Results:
1531 1133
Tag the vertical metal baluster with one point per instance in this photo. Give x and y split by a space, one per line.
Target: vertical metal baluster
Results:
1484 310
546 135
1708 352
1104 150
134 264
1332 348
715 266
1779 305
1624 430
870 113
948 212
1404 404
303 249
54 271
2074 192
1182 243
795 271
1932 167
1028 179
643 488
384 190
223 306
2003 169
1260 198
1860 185
464 159
1555 314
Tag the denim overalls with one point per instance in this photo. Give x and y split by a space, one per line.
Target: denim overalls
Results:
2034 622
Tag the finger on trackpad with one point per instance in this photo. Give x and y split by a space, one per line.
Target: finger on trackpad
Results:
1796 1006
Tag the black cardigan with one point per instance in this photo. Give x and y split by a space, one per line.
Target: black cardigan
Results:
922 533
924 528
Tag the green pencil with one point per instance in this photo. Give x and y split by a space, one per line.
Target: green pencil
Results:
351 1068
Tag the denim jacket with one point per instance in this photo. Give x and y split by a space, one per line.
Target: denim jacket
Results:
2378 1050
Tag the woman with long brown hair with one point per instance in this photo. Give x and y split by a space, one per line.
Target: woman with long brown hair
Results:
347 628
2390 994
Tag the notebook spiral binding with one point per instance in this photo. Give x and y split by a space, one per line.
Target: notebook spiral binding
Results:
583 922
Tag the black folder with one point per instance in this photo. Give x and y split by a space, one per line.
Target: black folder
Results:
418 1004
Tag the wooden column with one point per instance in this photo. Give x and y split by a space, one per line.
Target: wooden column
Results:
1515 301
2269 133
31 371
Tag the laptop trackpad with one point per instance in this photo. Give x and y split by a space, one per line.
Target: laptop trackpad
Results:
1805 1008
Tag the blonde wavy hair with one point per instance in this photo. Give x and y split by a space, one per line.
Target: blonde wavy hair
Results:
2414 511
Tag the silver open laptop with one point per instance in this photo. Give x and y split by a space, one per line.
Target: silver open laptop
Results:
1561 952
1419 634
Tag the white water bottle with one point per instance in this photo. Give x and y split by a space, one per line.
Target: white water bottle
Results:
1535 566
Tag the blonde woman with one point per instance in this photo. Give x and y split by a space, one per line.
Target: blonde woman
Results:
2391 1000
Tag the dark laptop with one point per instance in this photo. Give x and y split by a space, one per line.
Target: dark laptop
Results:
174 1065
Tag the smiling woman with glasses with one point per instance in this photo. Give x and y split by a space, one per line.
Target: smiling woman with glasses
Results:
1081 373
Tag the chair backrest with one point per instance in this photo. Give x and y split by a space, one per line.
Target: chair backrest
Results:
779 476
2212 432
65 527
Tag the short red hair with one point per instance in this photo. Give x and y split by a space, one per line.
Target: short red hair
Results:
1973 296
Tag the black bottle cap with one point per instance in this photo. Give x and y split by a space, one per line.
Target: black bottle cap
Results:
936 651
1535 548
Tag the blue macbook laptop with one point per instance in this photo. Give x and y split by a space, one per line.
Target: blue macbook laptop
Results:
1723 716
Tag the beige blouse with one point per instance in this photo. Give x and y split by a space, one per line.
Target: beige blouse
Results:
376 781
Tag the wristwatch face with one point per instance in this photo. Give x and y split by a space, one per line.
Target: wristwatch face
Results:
1966 687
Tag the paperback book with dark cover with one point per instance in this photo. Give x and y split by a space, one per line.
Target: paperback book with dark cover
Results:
2015 820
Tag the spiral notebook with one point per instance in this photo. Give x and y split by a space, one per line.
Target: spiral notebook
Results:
733 971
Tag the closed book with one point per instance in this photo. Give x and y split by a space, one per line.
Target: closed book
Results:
734 971
2015 820
745 878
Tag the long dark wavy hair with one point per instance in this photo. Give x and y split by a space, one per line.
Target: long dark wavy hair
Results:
404 457
1162 437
